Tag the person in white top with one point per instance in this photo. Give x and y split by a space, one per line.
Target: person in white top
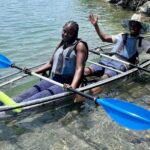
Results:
126 46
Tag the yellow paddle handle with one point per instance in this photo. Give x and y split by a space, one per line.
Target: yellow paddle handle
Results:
6 100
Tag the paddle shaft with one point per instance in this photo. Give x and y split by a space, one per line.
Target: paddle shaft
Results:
103 46
61 85
57 83
122 112
104 66
127 63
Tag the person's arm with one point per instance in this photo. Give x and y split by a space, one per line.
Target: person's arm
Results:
104 37
44 68
81 55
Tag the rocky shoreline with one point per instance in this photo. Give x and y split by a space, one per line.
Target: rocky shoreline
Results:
135 5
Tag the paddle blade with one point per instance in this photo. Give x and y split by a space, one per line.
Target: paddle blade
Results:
9 102
126 114
4 62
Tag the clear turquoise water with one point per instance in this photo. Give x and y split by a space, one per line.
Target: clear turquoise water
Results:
31 29
29 32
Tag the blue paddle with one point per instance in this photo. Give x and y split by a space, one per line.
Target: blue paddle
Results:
4 62
124 113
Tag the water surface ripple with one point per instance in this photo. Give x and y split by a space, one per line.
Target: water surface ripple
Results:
30 30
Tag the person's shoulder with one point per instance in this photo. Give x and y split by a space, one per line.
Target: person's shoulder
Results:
81 41
82 44
120 34
115 37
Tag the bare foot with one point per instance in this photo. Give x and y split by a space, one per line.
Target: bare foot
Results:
96 90
79 98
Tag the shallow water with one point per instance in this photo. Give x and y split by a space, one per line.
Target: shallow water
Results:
30 30
84 127
79 127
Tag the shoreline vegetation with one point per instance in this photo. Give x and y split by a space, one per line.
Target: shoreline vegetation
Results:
141 6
